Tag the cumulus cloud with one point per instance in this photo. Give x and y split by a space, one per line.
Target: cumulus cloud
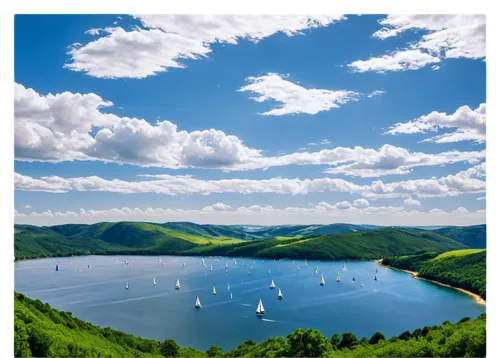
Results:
294 98
68 126
166 41
361 203
445 36
412 202
27 206
323 212
464 182
396 61
468 125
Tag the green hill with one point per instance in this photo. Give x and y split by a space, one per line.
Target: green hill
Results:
472 236
41 331
154 239
462 268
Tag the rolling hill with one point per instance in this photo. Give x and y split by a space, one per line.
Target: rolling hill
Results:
155 239
472 236
459 268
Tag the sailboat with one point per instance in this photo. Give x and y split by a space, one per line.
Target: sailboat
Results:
57 267
305 263
375 278
126 262
376 270
338 277
154 281
353 279
197 304
184 264
298 268
214 292
203 262
249 272
228 287
280 295
225 265
88 266
177 285
316 270
231 295
163 263
344 266
260 309
322 282
269 272
211 268
126 286
272 284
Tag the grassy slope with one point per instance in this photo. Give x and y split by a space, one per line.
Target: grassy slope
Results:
40 330
146 238
463 268
472 236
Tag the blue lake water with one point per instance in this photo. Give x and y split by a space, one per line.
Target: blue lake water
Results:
392 304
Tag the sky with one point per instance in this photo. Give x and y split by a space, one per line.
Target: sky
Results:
244 119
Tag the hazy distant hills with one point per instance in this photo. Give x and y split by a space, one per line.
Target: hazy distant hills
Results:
334 241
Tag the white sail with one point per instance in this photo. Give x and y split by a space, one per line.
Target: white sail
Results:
269 271
231 295
260 308
214 292
177 285
305 263
249 272
126 285
126 262
225 265
203 262
228 287
154 281
338 277
376 270
197 304
184 264
298 268
322 282
280 295
272 284
211 268
316 270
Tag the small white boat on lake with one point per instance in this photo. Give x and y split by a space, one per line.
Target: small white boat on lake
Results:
177 285
197 303
338 277
272 285
214 292
154 281
322 281
126 286
260 309
280 295
316 270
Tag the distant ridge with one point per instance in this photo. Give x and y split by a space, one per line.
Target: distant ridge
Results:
334 241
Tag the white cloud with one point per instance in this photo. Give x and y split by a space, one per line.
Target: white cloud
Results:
361 203
216 207
481 198
293 98
468 124
375 93
451 185
446 36
165 41
93 32
325 141
27 206
396 61
67 127
323 213
412 202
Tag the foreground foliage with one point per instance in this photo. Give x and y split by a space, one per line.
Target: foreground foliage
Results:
41 331
462 268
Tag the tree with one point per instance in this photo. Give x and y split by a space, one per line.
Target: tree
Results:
169 348
309 343
406 335
215 351
349 340
377 337
335 340
364 341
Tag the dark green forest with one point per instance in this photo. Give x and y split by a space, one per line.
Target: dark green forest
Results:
463 268
41 331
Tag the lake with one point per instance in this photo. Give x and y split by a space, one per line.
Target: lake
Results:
392 304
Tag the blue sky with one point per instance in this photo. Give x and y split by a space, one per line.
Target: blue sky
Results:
94 112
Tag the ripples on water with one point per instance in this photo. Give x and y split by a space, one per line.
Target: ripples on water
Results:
393 304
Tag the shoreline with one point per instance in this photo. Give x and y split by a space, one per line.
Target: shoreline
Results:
477 298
